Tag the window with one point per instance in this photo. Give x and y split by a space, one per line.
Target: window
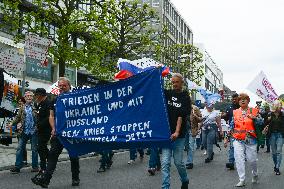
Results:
155 3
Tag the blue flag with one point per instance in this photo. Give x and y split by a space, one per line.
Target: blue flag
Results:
209 98
130 113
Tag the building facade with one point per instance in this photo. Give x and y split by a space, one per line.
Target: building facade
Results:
178 30
213 77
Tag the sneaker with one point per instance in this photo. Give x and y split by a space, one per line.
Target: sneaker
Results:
35 170
189 166
230 166
254 179
277 172
130 162
240 184
207 160
75 182
205 152
25 163
152 171
41 181
101 169
15 170
184 185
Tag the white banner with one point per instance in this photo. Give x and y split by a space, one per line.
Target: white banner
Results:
37 48
11 58
263 88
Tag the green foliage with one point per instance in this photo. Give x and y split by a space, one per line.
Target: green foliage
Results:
185 59
108 30
132 29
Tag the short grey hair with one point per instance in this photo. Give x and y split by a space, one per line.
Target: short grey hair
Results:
178 75
65 79
29 92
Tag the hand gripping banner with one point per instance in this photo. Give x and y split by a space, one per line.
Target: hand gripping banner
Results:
130 113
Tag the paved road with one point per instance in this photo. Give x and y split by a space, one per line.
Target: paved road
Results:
124 176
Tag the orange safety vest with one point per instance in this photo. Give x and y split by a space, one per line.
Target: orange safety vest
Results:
243 124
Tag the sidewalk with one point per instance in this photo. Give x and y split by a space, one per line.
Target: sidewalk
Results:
8 155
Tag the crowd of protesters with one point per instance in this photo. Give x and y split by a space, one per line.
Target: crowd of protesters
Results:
191 128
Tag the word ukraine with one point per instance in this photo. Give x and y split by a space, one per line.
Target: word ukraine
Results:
124 114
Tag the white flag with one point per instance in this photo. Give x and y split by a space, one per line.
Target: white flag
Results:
263 88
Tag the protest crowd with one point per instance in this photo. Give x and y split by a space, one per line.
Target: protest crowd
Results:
241 129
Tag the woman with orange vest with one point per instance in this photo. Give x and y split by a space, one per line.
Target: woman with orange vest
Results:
244 138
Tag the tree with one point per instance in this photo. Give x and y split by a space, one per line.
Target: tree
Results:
131 34
108 30
71 23
132 30
185 59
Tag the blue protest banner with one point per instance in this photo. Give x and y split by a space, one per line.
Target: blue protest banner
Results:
130 113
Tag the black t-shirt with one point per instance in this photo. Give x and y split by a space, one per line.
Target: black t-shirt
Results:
179 105
43 110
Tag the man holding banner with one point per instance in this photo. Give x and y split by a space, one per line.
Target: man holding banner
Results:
56 147
179 107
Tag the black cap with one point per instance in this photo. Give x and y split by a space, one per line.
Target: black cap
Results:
40 91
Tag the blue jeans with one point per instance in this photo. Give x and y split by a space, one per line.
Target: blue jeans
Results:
176 151
208 139
154 160
191 148
276 142
231 152
22 146
186 141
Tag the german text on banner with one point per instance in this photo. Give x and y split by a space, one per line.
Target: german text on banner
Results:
130 113
263 88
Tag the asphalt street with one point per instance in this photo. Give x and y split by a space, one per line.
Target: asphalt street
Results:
135 176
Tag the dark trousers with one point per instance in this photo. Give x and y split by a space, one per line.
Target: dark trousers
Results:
43 150
54 152
267 142
106 159
133 153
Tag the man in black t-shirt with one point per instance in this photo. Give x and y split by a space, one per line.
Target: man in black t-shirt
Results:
179 107
56 146
43 127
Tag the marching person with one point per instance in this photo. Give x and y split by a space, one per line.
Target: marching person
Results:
228 116
244 138
195 118
211 121
179 107
28 131
56 147
275 132
44 129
